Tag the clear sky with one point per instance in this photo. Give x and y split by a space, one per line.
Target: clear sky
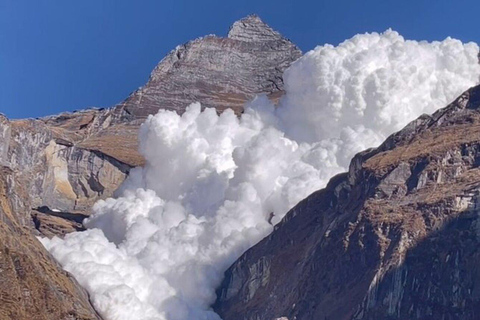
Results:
58 55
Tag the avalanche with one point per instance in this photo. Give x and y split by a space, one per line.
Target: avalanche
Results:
212 183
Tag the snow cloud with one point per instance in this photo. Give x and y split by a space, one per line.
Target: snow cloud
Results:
214 185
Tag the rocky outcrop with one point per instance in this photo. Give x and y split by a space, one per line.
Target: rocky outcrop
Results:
50 168
218 72
397 237
32 284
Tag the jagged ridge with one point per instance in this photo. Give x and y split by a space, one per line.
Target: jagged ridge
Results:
217 72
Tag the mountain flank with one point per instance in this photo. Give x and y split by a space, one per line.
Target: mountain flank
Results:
396 237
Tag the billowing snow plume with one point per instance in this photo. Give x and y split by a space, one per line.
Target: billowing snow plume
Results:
214 185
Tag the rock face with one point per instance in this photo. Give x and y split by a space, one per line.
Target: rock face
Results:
32 284
397 237
50 168
218 72
55 168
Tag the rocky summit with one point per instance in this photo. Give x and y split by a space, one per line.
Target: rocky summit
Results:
217 72
396 237
54 169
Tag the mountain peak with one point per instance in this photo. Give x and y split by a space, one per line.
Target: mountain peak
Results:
252 29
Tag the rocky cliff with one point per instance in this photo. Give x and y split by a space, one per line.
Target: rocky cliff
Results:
32 284
218 72
55 168
397 237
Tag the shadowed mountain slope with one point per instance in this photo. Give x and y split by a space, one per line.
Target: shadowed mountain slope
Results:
396 237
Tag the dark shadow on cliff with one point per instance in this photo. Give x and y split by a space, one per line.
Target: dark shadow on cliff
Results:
438 279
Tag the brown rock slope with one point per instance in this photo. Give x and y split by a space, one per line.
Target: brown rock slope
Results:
397 237
32 284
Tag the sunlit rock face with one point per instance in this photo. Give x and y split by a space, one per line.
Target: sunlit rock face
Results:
32 284
217 72
397 237
50 169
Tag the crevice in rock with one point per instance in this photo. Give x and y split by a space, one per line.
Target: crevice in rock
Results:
76 217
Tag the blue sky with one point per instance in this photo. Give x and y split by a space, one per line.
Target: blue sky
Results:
58 55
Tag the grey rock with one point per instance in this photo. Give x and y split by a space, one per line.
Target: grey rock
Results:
253 29
217 72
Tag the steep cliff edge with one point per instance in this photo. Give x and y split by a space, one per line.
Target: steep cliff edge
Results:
397 237
32 284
